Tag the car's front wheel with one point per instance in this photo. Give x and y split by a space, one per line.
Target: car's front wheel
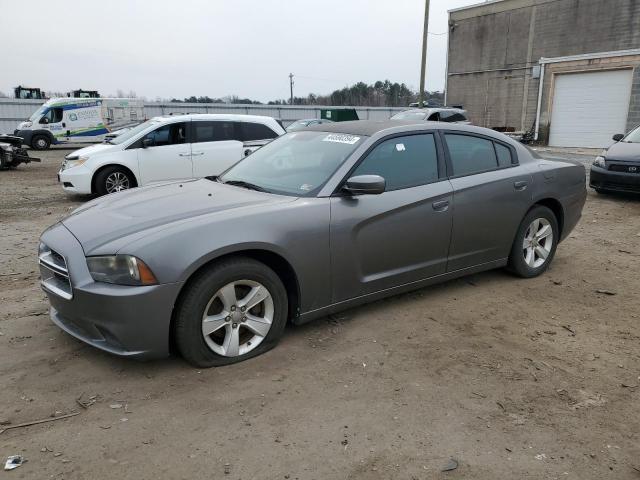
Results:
113 179
235 310
535 243
40 142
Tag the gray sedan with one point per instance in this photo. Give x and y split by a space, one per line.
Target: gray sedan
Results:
314 222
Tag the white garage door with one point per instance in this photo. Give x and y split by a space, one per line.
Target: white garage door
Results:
589 108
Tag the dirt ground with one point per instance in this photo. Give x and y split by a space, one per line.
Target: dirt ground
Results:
514 379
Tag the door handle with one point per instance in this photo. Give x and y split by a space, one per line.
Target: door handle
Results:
441 206
522 185
184 154
196 154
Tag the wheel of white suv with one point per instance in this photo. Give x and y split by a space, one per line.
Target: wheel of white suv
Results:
113 179
235 310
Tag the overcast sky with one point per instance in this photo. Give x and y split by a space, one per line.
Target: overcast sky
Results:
166 48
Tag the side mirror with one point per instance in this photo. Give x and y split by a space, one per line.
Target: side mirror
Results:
44 120
365 185
617 137
148 142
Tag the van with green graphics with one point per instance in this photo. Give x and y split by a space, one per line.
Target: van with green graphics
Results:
78 120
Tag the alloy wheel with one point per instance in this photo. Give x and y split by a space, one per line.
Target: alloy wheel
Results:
116 182
237 318
537 243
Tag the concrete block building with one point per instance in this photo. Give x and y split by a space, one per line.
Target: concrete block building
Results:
568 70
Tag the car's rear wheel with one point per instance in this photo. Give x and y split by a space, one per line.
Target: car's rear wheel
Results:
40 142
235 310
535 243
112 180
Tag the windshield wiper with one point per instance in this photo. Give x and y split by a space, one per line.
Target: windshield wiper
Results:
243 184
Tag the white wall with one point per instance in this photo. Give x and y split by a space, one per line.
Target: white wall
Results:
13 111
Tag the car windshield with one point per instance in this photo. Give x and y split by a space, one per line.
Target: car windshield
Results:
299 125
123 137
409 116
297 163
38 113
633 136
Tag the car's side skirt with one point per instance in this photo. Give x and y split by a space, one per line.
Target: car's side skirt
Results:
371 297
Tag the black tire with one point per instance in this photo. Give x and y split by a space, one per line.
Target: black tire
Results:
517 264
600 191
190 310
102 178
40 142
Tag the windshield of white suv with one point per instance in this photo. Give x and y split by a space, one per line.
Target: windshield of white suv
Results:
409 116
38 113
633 136
131 133
297 163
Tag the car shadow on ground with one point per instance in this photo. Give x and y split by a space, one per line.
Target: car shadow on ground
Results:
296 334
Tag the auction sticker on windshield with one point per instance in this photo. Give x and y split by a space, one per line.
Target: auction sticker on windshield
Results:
339 138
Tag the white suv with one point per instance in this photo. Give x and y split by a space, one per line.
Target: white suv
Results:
166 148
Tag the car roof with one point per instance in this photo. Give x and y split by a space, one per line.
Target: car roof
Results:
433 109
217 116
372 127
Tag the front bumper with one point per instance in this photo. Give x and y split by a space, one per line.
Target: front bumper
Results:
76 180
26 136
122 320
602 179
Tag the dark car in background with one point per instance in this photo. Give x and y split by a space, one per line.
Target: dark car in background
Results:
617 168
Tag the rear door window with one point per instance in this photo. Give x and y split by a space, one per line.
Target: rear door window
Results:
470 155
215 131
505 158
256 131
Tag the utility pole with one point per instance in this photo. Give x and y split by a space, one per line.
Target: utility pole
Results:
425 34
291 87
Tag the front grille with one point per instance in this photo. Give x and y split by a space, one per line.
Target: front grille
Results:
617 167
54 274
620 187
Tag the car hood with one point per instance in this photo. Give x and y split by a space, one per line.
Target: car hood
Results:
94 149
624 152
125 214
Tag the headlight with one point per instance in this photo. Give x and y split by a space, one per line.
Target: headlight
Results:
121 270
71 161
599 161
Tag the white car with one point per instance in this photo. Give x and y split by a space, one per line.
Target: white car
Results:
434 114
166 148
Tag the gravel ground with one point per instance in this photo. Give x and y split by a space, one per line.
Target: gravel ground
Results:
512 378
